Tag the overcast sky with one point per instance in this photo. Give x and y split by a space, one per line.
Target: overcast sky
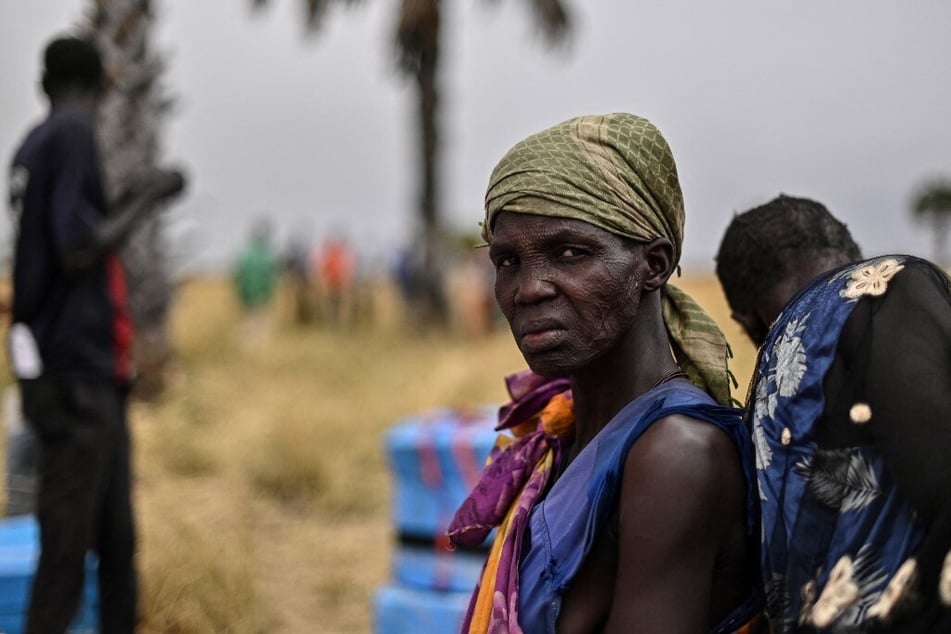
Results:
848 102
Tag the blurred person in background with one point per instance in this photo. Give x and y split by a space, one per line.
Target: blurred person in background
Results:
255 278
407 274
469 288
70 342
337 265
297 270
624 501
850 407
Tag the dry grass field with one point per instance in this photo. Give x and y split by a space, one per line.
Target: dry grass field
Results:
262 488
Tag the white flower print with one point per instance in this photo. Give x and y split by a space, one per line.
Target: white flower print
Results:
764 455
944 584
897 591
790 358
841 592
871 279
870 578
765 404
764 407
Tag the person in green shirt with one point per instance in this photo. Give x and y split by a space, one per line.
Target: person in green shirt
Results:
255 278
255 274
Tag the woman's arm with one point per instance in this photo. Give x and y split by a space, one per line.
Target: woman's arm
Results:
682 491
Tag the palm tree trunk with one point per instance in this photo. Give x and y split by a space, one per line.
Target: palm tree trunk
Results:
433 309
129 131
942 231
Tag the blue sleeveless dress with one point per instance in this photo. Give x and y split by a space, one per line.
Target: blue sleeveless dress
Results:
565 525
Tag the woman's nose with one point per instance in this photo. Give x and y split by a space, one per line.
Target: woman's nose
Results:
534 287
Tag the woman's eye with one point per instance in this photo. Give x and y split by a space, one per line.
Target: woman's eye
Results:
570 252
503 261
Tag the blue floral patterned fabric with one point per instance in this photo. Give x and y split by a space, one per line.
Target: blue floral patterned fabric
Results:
825 512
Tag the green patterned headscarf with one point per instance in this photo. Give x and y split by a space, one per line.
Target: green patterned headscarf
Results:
616 172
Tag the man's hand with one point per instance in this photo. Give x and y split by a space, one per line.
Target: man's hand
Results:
166 183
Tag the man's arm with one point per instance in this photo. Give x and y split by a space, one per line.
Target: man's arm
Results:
682 490
112 231
83 234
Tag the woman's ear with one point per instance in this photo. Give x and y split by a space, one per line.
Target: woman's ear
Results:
659 261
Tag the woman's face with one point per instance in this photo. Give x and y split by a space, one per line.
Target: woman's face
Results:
569 290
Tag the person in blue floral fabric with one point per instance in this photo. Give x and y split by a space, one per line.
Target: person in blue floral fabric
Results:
850 410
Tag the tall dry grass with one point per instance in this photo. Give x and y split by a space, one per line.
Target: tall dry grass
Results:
262 489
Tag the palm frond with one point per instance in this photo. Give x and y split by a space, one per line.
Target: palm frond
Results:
934 198
314 10
417 34
552 18
842 479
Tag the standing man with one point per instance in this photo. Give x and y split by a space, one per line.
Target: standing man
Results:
70 343
851 415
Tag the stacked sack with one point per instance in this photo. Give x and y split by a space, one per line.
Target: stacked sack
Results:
19 531
435 460
19 552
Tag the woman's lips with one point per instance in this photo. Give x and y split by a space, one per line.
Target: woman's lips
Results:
540 340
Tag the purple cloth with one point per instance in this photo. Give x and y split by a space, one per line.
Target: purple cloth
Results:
511 467
514 479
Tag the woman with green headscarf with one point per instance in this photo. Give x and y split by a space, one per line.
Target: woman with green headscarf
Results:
623 499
